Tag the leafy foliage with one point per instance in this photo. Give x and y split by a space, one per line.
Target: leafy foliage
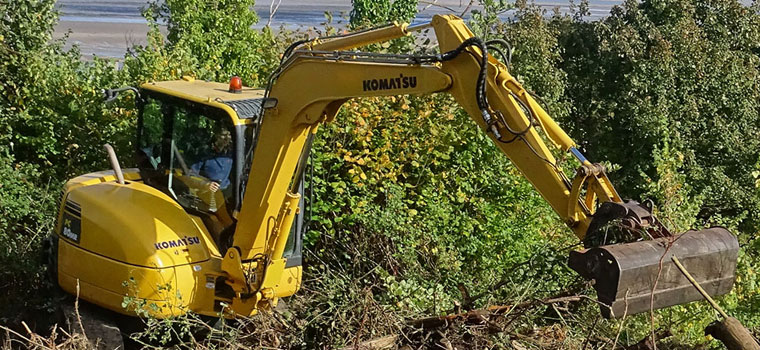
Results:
25 218
672 81
414 212
449 203
51 99
368 13
206 39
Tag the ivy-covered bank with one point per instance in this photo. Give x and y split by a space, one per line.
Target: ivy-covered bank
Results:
415 213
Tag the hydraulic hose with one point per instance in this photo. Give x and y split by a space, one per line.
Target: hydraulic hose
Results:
480 89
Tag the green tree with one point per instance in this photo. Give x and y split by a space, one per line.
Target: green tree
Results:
370 13
51 99
206 39
666 81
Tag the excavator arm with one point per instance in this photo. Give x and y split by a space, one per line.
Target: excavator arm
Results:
316 77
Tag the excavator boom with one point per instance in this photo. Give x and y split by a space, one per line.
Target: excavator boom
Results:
513 119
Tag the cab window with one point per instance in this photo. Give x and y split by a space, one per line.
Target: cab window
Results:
188 154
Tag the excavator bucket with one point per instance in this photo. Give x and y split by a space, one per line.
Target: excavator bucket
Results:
631 278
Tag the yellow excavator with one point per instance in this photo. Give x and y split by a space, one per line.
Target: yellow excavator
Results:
211 221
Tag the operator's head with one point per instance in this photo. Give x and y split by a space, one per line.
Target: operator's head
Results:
222 140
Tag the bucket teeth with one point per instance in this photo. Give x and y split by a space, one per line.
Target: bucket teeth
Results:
631 278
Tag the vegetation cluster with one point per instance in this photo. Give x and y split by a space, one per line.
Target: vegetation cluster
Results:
414 212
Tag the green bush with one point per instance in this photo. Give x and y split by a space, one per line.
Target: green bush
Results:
672 82
26 215
414 211
52 106
415 175
370 13
211 40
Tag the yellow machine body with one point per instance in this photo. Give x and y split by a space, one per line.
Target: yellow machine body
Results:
131 248
134 245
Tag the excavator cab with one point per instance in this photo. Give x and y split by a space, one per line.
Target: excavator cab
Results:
200 156
188 152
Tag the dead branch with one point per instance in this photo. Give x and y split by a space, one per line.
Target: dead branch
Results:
434 3
467 8
386 342
480 316
649 342
733 334
272 10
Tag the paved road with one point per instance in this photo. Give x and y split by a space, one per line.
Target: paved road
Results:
108 27
291 12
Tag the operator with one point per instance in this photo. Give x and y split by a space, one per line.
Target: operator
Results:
218 166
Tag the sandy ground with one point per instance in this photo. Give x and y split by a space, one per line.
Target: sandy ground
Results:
103 39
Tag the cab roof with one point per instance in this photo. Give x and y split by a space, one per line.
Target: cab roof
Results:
242 106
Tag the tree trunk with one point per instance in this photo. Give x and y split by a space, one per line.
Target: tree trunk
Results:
733 334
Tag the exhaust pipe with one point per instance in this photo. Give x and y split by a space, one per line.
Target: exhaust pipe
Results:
114 164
